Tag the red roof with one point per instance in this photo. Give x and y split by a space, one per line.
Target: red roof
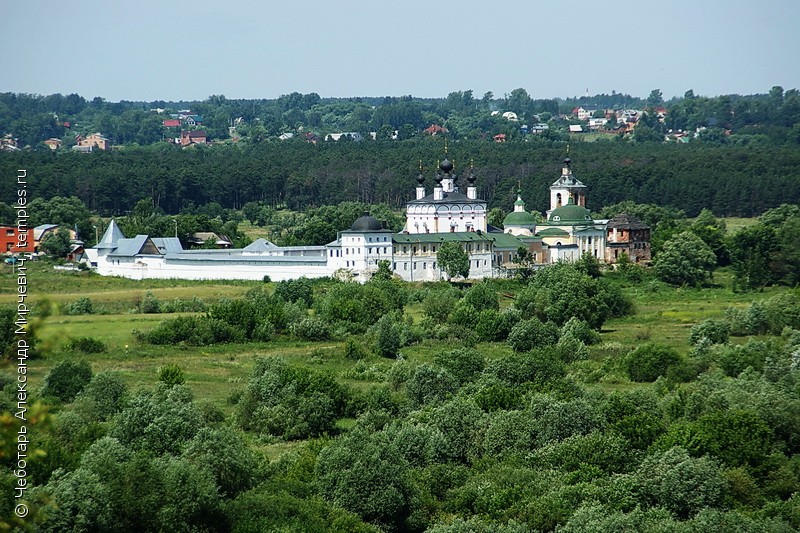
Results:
172 123
194 134
434 128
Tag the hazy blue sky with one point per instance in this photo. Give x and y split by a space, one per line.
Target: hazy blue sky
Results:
148 50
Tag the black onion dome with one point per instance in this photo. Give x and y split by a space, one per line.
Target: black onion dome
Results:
420 178
471 178
568 161
366 223
446 166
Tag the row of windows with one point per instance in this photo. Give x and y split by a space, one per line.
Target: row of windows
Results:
369 239
484 247
370 250
433 264
414 265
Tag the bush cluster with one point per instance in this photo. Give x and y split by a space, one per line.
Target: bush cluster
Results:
290 402
81 306
86 345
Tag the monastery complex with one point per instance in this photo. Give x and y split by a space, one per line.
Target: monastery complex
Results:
446 214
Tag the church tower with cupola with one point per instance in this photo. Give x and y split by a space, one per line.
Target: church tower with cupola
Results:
519 221
570 231
446 209
566 188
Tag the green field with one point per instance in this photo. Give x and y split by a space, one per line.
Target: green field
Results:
662 314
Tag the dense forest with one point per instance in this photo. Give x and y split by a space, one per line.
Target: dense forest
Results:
729 180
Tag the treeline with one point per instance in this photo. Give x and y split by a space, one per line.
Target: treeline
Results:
729 180
773 117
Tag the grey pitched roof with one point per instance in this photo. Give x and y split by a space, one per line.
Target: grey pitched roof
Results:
259 245
167 245
39 230
130 247
111 237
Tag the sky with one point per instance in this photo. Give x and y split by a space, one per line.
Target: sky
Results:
148 50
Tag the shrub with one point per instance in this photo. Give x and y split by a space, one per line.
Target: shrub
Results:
682 484
498 397
292 402
650 361
149 304
311 329
264 332
354 350
749 321
714 330
192 305
193 331
464 364
226 456
538 366
559 292
295 290
556 420
429 384
171 375
532 333
106 392
481 296
358 305
439 304
685 260
393 290
782 310
243 314
461 423
86 345
81 306
368 476
67 379
509 433
570 349
159 420
735 359
387 337
581 330
495 326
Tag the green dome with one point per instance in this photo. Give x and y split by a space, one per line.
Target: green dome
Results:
571 215
519 218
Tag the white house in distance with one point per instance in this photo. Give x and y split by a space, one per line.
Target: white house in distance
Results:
432 219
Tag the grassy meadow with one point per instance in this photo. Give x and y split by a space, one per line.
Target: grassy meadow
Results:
662 314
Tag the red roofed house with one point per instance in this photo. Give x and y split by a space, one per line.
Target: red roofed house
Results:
193 137
53 143
172 123
433 129
95 140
